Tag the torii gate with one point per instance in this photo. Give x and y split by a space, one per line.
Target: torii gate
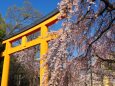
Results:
42 26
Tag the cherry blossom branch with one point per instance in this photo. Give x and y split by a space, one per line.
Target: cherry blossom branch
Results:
99 36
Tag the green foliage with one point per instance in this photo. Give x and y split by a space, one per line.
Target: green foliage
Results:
2 31
2 27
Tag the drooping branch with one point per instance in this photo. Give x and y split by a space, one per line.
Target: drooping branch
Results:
99 36
106 60
108 4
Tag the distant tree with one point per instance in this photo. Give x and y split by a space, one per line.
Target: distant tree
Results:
25 67
19 17
2 31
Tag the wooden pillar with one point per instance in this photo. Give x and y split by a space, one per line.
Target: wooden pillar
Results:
43 51
6 65
106 81
24 40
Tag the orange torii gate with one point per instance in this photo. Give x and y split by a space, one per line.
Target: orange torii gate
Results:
42 26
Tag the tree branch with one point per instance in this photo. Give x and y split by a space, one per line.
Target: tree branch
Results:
106 60
99 36
107 3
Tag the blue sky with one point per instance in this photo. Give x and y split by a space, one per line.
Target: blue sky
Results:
44 6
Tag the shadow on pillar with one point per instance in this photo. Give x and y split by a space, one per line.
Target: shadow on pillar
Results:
1 67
